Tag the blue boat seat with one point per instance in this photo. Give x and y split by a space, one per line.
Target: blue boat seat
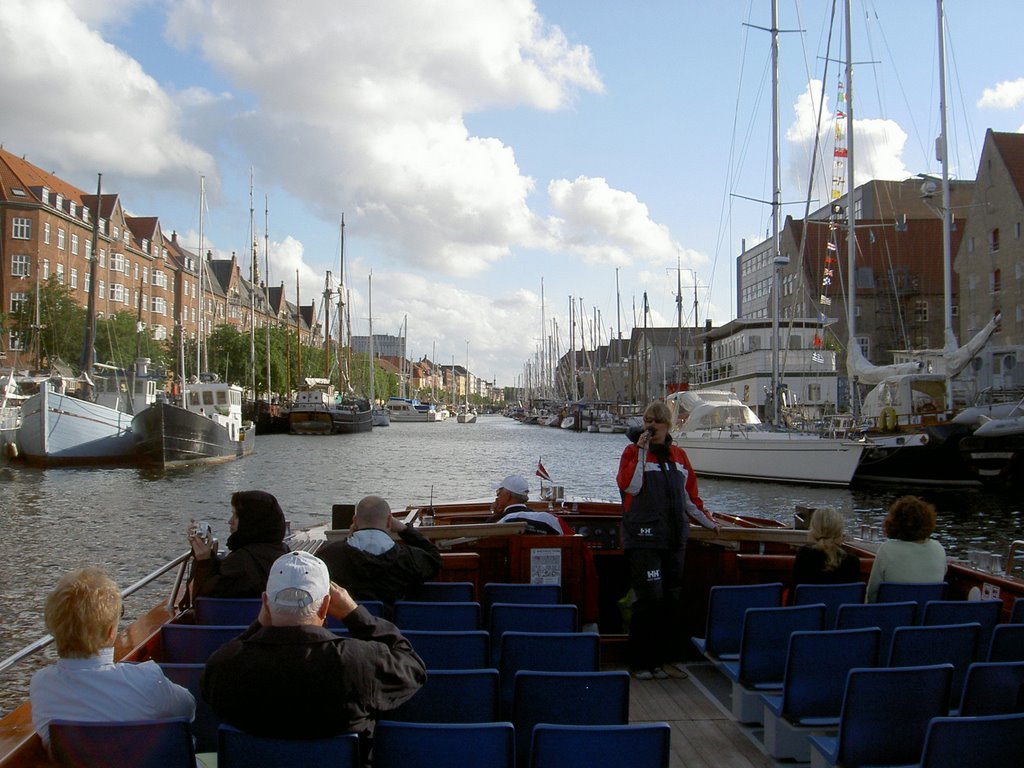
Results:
993 688
544 652
139 743
763 647
817 666
955 742
238 749
640 745
452 696
528 617
443 592
939 644
1007 643
832 595
428 745
885 616
466 649
985 612
726 608
918 592
885 716
411 614
193 643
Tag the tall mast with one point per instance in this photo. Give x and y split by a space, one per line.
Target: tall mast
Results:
942 149
327 329
343 374
369 309
200 347
776 208
543 332
254 278
851 235
298 333
266 266
89 342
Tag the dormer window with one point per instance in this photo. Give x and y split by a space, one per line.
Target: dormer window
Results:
127 237
85 214
58 202
103 225
72 207
145 245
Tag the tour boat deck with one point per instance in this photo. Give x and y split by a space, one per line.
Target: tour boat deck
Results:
704 734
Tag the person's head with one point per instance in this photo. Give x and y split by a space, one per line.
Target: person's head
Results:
372 512
256 518
298 590
658 416
82 613
512 490
826 534
910 518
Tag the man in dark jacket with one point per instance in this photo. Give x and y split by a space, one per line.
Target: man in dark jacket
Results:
371 565
287 676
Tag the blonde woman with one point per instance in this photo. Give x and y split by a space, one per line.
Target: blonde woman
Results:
824 561
82 614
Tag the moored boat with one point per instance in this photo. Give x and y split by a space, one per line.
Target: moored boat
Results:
207 429
724 438
411 409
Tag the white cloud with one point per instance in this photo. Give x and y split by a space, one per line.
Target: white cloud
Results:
607 226
878 146
93 107
361 108
1009 94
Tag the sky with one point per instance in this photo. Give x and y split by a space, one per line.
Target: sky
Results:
495 161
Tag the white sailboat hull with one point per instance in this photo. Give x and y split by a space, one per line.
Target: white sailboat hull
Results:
58 429
775 456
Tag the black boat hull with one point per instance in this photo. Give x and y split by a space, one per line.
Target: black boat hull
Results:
173 436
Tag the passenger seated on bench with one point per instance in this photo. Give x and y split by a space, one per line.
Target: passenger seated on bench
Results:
257 531
371 565
824 561
910 555
288 676
509 506
82 614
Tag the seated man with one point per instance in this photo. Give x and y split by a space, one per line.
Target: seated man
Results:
509 506
371 565
287 676
82 613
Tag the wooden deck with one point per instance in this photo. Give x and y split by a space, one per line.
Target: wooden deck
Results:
704 735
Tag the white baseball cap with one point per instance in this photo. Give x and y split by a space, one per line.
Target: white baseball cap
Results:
515 484
297 580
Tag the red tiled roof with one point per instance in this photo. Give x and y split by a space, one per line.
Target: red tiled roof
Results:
1011 148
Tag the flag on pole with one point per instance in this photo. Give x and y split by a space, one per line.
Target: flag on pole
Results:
541 472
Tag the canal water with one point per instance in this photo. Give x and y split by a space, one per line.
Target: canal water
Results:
131 521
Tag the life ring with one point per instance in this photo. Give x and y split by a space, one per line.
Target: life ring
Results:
888 420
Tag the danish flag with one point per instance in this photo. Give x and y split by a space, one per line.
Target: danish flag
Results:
541 472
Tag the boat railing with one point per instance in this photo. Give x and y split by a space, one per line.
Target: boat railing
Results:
1016 550
178 563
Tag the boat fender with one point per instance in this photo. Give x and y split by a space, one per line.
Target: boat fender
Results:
11 450
888 420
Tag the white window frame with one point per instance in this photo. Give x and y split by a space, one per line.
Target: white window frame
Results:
73 281
21 228
21 265
61 238
18 298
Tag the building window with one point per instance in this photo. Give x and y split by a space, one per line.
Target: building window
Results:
993 240
159 305
921 311
18 300
61 235
117 262
102 290
116 232
814 392
127 237
46 232
60 274
16 342
995 281
74 278
1016 231
970 245
103 258
116 292
21 229
74 243
46 269
72 207
88 282
20 265
864 342
88 250
145 245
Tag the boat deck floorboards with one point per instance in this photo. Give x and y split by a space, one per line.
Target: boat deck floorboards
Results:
704 734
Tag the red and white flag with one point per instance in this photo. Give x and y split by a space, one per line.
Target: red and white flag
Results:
541 472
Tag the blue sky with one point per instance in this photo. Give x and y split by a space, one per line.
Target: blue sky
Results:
477 147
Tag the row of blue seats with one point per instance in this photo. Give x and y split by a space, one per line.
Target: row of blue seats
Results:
572 652
168 744
244 610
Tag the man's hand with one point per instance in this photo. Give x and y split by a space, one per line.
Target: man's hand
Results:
396 525
341 604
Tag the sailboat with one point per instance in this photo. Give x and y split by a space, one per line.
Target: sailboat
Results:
207 427
721 435
467 414
59 429
918 437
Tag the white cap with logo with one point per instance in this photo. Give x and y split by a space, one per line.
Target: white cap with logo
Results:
516 484
298 579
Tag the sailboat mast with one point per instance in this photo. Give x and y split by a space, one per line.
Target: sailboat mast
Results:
298 333
369 345
942 149
266 266
851 235
254 276
327 328
89 342
543 337
202 290
777 259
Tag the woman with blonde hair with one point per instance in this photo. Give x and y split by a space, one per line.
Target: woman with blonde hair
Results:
824 561
82 614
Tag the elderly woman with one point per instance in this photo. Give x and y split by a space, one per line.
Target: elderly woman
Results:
823 560
257 531
910 555
82 614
